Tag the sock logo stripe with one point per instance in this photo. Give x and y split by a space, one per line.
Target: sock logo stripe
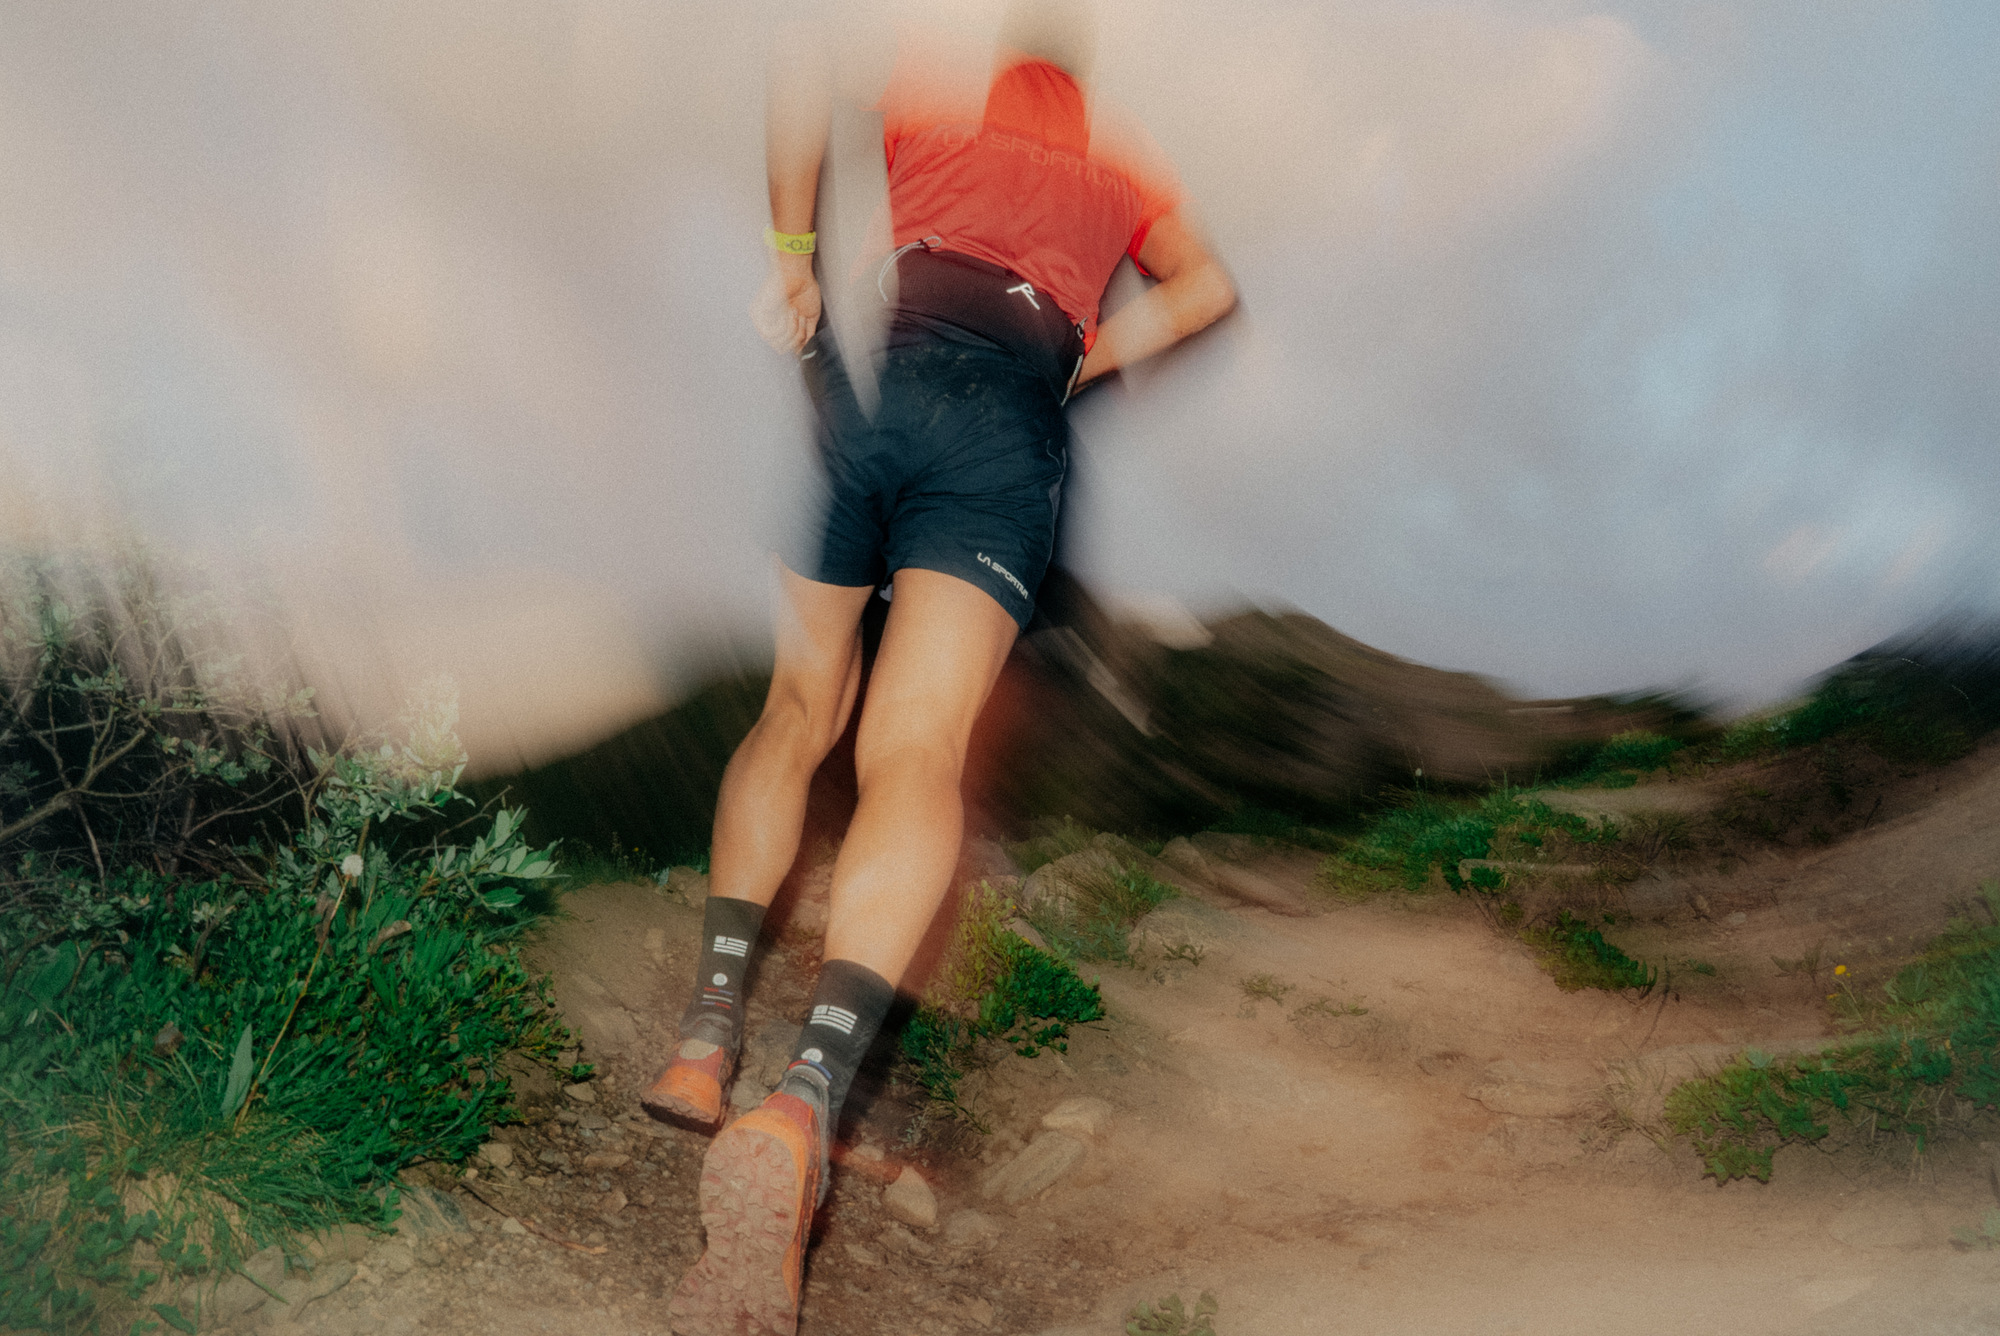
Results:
731 946
834 1018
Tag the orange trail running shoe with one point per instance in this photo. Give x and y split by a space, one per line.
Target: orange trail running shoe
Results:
760 1184
690 1090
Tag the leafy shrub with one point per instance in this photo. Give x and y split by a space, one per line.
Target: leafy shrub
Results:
1932 1032
191 1069
991 985
132 728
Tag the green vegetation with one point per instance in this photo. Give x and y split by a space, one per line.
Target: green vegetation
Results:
1095 921
1577 957
1425 834
1619 762
1049 840
1264 986
1925 1040
992 985
1927 706
208 1044
1172 1318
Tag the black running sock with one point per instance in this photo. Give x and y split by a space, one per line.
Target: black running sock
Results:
728 936
848 1007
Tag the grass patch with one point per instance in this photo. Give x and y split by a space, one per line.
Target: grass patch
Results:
991 985
1622 759
1094 922
1172 1317
1265 986
1049 840
1426 834
1928 1038
1577 957
193 1069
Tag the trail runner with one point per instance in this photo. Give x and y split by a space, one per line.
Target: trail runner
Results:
1012 196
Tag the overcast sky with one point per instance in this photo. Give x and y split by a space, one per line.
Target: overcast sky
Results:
1590 347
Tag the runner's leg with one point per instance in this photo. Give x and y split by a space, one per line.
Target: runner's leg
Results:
941 653
764 1174
762 806
759 816
943 648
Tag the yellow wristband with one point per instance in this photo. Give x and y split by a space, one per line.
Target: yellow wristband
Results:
791 243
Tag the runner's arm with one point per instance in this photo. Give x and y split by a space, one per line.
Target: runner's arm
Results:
1194 292
798 108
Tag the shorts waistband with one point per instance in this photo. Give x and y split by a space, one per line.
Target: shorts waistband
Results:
990 301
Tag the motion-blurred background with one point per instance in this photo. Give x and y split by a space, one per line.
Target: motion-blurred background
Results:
1587 347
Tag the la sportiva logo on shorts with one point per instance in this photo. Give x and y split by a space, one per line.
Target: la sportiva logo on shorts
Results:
1004 574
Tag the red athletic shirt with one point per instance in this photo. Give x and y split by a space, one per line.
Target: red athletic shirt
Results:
1020 171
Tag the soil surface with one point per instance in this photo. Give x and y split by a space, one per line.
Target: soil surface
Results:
1377 1117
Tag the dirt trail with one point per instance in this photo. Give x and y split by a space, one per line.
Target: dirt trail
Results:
1399 1125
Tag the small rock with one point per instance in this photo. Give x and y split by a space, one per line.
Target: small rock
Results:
1180 853
555 1159
687 883
599 1163
1738 919
865 1151
568 1117
512 1226
594 1122
910 1200
581 1092
1256 889
1027 932
497 1153
611 1203
242 1294
898 1239
300 1290
342 1243
428 1213
1083 1116
864 1255
970 1229
1047 1158
395 1259
977 1311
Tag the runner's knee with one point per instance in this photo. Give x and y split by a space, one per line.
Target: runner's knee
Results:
803 726
931 761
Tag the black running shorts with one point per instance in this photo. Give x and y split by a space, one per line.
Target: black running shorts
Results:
960 470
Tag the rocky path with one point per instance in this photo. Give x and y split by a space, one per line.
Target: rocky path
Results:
1338 1118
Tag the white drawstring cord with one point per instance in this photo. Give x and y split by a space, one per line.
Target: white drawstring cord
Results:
882 274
